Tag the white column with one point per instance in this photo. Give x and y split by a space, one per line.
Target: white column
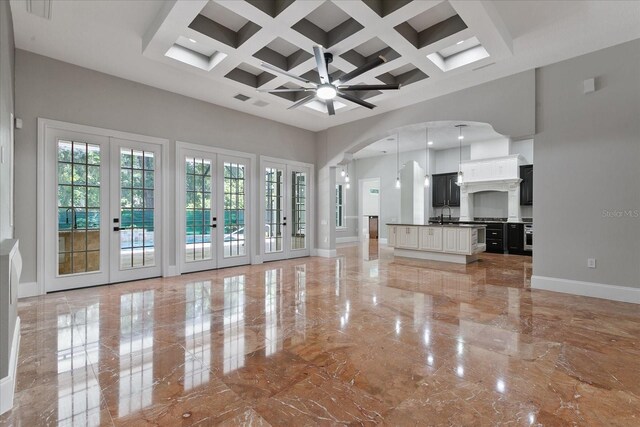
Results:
326 211
466 204
514 203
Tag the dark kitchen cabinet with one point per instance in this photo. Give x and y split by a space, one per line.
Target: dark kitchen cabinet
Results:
526 186
444 190
495 240
515 238
439 190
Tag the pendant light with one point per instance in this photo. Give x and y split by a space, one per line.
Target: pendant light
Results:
346 178
342 173
460 179
427 179
398 160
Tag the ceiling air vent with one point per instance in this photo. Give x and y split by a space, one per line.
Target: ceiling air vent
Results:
241 97
41 8
260 103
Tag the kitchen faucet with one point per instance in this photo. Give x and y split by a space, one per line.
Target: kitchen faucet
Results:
442 213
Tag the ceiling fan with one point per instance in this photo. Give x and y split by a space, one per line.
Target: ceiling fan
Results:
328 90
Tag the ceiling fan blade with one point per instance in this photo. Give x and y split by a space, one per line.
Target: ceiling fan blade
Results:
286 73
330 108
356 100
368 87
366 67
284 90
321 63
302 101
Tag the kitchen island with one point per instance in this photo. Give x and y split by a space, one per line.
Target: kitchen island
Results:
457 243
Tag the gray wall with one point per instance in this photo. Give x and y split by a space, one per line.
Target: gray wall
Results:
7 310
587 151
56 90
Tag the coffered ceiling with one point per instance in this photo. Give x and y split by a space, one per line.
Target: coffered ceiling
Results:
213 49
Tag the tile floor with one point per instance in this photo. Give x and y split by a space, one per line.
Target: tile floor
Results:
359 339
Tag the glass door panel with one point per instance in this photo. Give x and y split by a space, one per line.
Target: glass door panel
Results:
198 210
233 211
79 202
137 217
274 212
135 197
298 210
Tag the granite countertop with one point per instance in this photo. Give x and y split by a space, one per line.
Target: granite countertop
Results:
436 224
481 221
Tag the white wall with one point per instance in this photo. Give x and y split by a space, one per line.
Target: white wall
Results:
56 90
490 149
523 147
587 172
370 198
447 161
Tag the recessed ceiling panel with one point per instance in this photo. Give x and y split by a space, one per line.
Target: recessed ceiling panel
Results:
327 25
224 16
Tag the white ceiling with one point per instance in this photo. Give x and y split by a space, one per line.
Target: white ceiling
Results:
128 39
443 134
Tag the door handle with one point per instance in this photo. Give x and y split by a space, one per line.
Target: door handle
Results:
116 228
284 224
213 225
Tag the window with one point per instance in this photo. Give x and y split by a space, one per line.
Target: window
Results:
340 220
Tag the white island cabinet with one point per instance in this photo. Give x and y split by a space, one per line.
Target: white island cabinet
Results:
458 243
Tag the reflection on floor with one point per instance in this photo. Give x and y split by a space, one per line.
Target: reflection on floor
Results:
359 338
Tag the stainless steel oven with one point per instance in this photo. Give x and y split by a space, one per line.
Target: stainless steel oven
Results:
528 237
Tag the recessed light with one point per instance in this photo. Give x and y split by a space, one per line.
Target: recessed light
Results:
192 40
429 142
460 42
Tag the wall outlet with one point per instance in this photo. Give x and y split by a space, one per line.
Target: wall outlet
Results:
591 262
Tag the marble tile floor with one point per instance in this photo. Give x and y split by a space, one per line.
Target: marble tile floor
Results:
359 339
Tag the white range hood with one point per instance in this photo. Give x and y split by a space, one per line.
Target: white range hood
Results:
494 174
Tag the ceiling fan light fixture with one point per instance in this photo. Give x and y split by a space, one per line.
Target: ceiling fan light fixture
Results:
326 91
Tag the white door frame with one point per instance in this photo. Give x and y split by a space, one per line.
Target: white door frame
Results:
181 146
361 234
310 204
46 125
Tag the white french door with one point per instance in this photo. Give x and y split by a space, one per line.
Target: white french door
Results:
285 206
76 251
101 210
213 209
136 200
198 217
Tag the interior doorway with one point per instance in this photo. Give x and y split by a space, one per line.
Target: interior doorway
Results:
369 209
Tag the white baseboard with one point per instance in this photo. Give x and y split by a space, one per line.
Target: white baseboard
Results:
8 383
587 289
28 289
325 253
349 239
